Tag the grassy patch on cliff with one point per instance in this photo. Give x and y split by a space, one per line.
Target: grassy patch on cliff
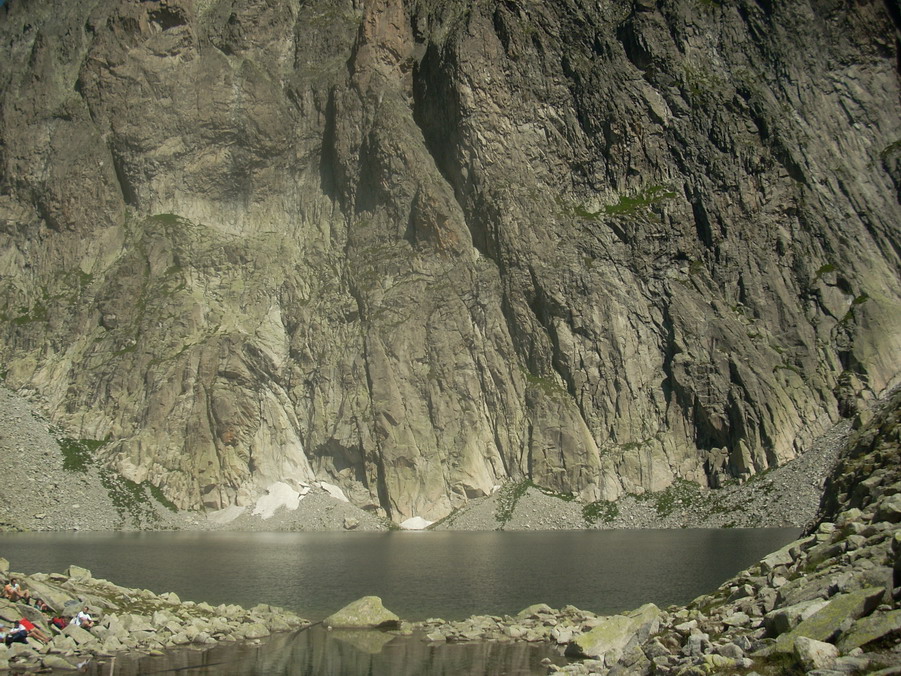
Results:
129 497
601 510
507 497
681 494
642 200
632 205
78 454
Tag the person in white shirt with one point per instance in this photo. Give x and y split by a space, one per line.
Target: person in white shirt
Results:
83 619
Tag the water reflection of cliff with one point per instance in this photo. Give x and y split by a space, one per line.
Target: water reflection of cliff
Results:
318 652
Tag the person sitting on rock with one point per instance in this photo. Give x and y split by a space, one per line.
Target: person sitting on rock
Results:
83 619
15 592
41 605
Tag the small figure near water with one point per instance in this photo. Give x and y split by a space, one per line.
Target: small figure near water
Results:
15 592
33 630
24 630
83 619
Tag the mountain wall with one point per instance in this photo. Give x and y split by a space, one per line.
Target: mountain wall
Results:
418 247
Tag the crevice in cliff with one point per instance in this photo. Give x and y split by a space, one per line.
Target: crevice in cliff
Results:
893 7
701 217
436 112
129 194
328 155
384 496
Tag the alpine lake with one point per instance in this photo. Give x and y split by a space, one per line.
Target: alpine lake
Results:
418 575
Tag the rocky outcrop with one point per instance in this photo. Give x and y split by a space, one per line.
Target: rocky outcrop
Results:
416 249
365 613
133 621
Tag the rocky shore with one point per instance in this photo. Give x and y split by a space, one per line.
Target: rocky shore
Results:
826 604
133 621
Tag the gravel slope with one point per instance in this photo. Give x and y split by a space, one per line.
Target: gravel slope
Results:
39 492
786 496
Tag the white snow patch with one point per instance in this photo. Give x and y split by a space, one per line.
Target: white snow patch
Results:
227 515
334 491
415 523
278 495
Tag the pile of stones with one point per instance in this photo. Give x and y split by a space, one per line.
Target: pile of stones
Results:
133 621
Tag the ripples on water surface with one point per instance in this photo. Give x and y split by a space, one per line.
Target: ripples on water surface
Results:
417 575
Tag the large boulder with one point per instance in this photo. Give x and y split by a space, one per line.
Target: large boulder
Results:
616 634
365 613
870 628
79 635
826 623
813 654
786 618
57 663
78 574
8 611
781 557
889 509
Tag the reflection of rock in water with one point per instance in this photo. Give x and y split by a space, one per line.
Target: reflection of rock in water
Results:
362 640
331 653
319 652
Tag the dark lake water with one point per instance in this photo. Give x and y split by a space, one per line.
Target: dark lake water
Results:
417 575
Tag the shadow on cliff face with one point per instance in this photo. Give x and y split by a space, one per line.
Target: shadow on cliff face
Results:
601 248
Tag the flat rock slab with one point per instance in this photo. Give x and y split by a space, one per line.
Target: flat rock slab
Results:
57 663
79 635
365 613
824 624
869 629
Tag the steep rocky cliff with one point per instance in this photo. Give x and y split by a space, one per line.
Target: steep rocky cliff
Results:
419 247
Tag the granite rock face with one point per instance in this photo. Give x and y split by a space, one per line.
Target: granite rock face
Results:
416 249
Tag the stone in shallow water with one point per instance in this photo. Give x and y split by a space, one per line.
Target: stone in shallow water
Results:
57 663
78 574
535 610
364 641
367 612
255 630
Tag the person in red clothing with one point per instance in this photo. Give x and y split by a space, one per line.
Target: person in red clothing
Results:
33 631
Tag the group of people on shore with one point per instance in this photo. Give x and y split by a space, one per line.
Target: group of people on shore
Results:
24 628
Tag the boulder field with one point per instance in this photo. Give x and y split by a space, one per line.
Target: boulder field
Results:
825 604
136 621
